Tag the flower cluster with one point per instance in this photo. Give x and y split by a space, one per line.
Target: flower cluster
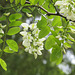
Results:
67 8
31 42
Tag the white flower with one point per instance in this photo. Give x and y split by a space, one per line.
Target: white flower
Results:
26 43
25 26
67 8
39 52
31 42
35 55
36 32
23 33
1 32
33 26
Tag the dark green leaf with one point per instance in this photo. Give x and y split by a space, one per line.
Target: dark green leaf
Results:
13 17
15 23
44 31
26 10
3 64
11 1
13 30
2 18
42 23
1 41
13 45
50 42
57 21
56 55
17 1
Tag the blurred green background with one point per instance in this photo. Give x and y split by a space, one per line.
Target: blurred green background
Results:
23 63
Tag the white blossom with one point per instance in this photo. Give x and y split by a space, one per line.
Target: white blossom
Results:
67 8
31 42
25 26
1 32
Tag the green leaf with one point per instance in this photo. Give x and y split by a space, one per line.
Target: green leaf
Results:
67 45
44 31
23 2
2 18
57 21
17 1
42 23
15 23
50 42
8 50
32 1
13 17
26 10
13 45
3 64
11 1
13 30
41 2
56 55
1 41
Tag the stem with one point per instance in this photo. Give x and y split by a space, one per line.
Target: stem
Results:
4 37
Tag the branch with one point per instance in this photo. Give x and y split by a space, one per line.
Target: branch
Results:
48 13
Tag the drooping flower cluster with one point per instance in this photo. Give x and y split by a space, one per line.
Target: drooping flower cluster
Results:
67 8
31 42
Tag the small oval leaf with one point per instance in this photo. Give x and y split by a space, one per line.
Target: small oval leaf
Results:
23 2
3 64
13 17
15 23
13 45
13 30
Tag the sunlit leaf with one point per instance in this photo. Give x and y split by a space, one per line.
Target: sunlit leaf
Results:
13 30
13 45
8 50
15 23
3 64
23 2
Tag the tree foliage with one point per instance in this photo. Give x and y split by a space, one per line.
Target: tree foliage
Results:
56 26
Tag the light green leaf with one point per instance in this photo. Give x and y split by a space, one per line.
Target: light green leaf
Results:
29 15
8 50
42 23
23 2
50 42
13 17
3 64
15 23
32 1
1 41
56 55
44 31
67 45
13 45
11 1
13 30
2 18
